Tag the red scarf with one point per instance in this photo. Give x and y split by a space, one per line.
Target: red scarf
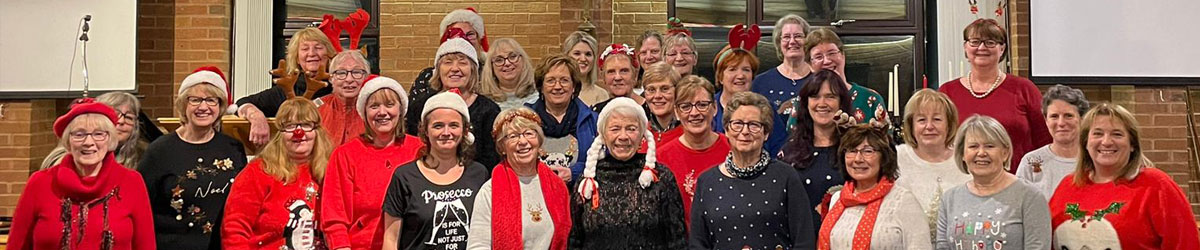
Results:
85 188
507 210
873 198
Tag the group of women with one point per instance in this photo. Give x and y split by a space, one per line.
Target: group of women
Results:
608 147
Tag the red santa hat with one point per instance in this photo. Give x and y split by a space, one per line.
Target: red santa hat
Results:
470 16
210 75
616 48
449 100
454 41
83 106
376 83
588 187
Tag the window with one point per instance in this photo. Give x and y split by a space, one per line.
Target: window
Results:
295 15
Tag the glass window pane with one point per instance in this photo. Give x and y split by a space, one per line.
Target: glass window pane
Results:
711 12
827 10
314 9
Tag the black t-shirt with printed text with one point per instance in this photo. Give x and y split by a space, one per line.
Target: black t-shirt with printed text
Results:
433 216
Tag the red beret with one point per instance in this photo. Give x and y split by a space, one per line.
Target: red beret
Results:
83 106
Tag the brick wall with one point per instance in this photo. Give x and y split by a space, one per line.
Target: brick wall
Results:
409 30
202 37
156 57
1161 111
25 138
631 18
601 16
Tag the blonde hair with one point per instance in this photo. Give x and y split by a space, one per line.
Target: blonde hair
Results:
491 83
686 88
304 35
658 72
583 37
181 101
990 130
275 155
929 98
99 121
777 36
472 82
1086 165
384 95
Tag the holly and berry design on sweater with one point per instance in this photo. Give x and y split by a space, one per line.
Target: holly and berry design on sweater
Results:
1085 231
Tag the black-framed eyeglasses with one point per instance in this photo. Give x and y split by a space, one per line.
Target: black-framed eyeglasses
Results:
128 116
195 101
356 74
96 136
307 127
739 125
986 43
701 106
511 58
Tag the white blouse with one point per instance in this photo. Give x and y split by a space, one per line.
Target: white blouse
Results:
901 223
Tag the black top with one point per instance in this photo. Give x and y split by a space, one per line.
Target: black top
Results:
765 211
483 113
629 216
420 87
819 177
433 216
268 100
201 175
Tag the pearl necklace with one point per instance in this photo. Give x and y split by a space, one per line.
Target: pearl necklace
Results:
967 84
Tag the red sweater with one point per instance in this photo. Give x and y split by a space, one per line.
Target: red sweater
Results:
262 212
687 164
37 222
1149 212
355 183
1016 104
340 120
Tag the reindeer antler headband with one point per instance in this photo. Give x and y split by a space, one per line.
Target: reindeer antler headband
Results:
743 38
354 24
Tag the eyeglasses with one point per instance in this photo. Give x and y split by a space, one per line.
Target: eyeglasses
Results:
195 101
826 55
127 116
560 81
682 53
307 127
738 125
96 136
356 74
865 152
472 35
701 106
986 43
528 134
786 37
512 58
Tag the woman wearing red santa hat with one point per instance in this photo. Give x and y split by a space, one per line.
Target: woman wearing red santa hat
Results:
359 171
188 173
53 210
271 206
457 65
348 70
429 202
471 24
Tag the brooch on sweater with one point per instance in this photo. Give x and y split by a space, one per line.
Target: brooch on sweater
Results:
535 213
1036 162
194 213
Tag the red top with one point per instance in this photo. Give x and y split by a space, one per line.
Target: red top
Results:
687 164
38 223
262 212
1149 212
355 183
1016 104
340 120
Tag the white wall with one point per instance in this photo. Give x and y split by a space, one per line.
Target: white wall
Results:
1115 38
37 38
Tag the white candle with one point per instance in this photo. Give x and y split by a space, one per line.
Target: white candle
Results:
896 96
891 89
